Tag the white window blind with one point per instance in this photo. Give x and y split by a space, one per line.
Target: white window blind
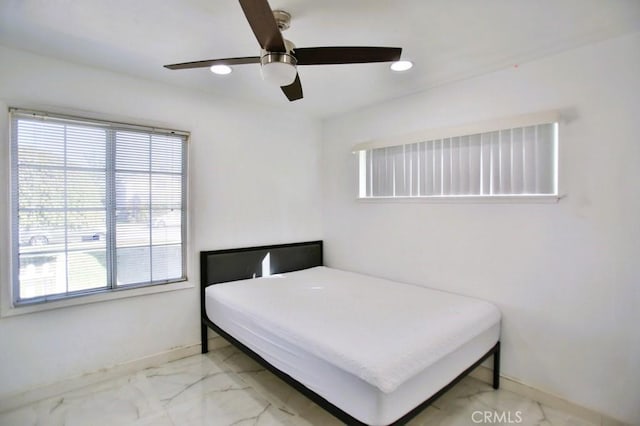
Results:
515 161
96 206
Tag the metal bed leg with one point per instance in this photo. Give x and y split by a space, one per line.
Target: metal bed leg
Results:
205 338
496 367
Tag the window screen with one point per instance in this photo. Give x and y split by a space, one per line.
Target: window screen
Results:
96 206
518 161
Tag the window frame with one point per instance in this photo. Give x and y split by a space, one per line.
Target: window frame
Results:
112 290
363 163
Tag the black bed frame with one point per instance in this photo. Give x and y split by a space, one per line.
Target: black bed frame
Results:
219 266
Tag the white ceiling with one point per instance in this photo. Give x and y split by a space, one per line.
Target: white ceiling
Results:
447 40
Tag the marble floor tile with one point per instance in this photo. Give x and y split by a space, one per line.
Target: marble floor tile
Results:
230 407
471 400
226 387
190 378
120 401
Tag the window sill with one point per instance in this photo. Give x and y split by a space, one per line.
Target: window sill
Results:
468 199
9 311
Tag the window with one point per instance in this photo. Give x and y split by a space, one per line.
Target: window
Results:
518 161
96 206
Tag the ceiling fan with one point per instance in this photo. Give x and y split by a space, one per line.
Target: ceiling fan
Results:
279 57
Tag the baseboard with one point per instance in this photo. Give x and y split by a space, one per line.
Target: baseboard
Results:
481 373
485 374
47 391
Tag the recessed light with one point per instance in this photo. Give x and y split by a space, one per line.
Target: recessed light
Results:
401 65
220 69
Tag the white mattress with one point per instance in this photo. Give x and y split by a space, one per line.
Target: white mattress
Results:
373 347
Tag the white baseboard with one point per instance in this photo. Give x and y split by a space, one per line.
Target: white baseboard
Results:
481 373
48 391
485 374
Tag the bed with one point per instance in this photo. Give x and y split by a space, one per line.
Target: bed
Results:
368 350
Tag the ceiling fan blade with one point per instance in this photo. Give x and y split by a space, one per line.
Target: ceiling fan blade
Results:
346 55
263 24
210 62
294 90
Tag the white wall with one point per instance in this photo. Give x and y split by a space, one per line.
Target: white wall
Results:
566 276
254 179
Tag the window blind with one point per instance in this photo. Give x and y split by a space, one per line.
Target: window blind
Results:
514 161
96 205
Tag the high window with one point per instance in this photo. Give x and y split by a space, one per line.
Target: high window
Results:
96 206
514 161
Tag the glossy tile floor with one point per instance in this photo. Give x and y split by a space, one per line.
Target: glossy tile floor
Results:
225 387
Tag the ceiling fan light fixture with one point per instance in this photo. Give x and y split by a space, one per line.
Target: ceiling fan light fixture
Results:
401 66
278 69
220 69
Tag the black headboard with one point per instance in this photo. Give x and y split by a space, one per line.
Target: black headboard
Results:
219 266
